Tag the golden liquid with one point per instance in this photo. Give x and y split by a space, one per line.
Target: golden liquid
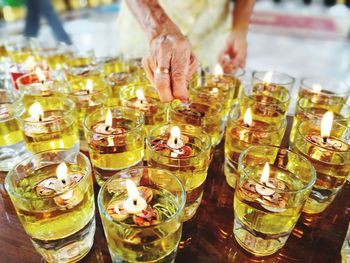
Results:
44 219
137 245
63 138
329 100
109 159
309 114
237 139
332 170
10 132
258 230
191 172
57 61
212 122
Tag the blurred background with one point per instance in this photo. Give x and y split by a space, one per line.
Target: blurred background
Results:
299 37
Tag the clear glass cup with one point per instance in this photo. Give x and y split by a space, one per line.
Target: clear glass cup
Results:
60 221
267 208
237 75
53 128
201 113
273 107
331 159
145 99
190 163
307 110
136 237
240 136
117 147
31 86
89 94
12 148
324 92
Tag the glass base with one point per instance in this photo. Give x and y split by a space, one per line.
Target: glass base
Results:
318 202
231 173
191 209
68 249
170 258
11 155
256 243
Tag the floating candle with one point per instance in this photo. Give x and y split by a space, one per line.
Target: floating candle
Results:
175 140
134 204
264 180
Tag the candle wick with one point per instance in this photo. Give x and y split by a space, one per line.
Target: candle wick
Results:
63 181
247 125
107 128
175 141
88 91
40 118
135 202
324 139
141 101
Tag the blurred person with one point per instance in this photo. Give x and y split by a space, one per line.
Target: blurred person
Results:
37 9
216 31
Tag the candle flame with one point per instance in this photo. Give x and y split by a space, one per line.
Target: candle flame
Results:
266 173
247 119
40 74
109 119
36 111
175 132
268 77
29 64
317 87
326 124
61 171
140 95
133 193
89 85
218 70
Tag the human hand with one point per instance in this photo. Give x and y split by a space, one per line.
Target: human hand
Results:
170 65
234 54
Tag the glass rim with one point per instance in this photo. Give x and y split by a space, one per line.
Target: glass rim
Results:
238 73
309 184
105 108
115 176
200 131
318 121
218 109
161 107
19 79
300 108
66 112
244 93
290 79
303 86
283 125
18 99
100 90
31 157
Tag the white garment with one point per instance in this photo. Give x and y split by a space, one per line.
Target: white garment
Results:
206 23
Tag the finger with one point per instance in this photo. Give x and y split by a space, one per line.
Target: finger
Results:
161 79
193 67
146 63
179 72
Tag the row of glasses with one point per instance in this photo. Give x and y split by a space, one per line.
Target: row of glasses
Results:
320 132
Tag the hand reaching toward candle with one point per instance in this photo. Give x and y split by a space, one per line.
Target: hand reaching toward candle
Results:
234 54
171 63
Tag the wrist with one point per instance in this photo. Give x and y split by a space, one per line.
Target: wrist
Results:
242 32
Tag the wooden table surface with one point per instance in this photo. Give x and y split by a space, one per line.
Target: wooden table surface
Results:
208 237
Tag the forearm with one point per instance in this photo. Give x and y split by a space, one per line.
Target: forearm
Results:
151 17
241 15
